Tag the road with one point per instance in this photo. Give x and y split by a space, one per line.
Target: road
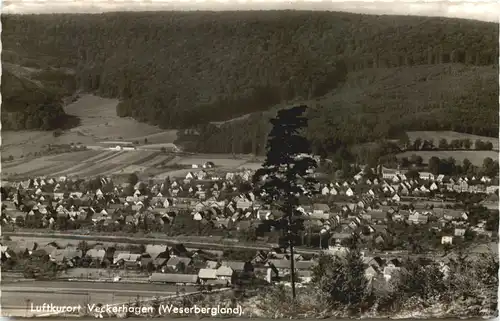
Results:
191 244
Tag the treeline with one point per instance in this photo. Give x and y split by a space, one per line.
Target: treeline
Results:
177 70
449 166
454 144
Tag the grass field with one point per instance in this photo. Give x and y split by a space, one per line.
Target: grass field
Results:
475 157
449 136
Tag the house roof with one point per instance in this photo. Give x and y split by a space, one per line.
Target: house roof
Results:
176 260
304 265
279 264
127 257
173 278
59 255
212 264
159 261
155 250
207 274
225 271
95 253
235 265
217 282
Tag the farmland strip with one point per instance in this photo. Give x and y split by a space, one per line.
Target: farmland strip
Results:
85 168
110 157
101 155
158 160
72 168
11 164
98 171
51 170
115 170
76 156
144 159
30 173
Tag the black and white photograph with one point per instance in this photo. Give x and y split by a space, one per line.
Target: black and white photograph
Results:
265 160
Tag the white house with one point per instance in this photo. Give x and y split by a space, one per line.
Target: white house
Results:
426 176
447 240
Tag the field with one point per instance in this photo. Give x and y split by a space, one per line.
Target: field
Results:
449 136
475 157
99 122
91 163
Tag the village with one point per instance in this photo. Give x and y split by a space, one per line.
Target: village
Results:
393 216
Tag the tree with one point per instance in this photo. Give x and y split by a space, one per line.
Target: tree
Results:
404 162
488 146
417 143
466 165
490 167
343 279
434 164
133 179
419 161
479 145
413 174
83 246
443 144
286 174
467 143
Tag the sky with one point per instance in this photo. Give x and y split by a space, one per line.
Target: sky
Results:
477 10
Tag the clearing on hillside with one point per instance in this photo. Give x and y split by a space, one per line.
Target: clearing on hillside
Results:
475 157
99 122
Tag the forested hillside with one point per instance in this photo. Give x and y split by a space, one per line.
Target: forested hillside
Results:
32 99
179 70
375 104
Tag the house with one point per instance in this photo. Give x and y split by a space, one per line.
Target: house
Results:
450 215
279 267
179 250
447 240
181 279
178 263
225 273
417 218
388 173
320 208
459 232
156 250
304 265
67 255
426 176
349 192
391 269
96 255
205 275
305 276
239 266
372 272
